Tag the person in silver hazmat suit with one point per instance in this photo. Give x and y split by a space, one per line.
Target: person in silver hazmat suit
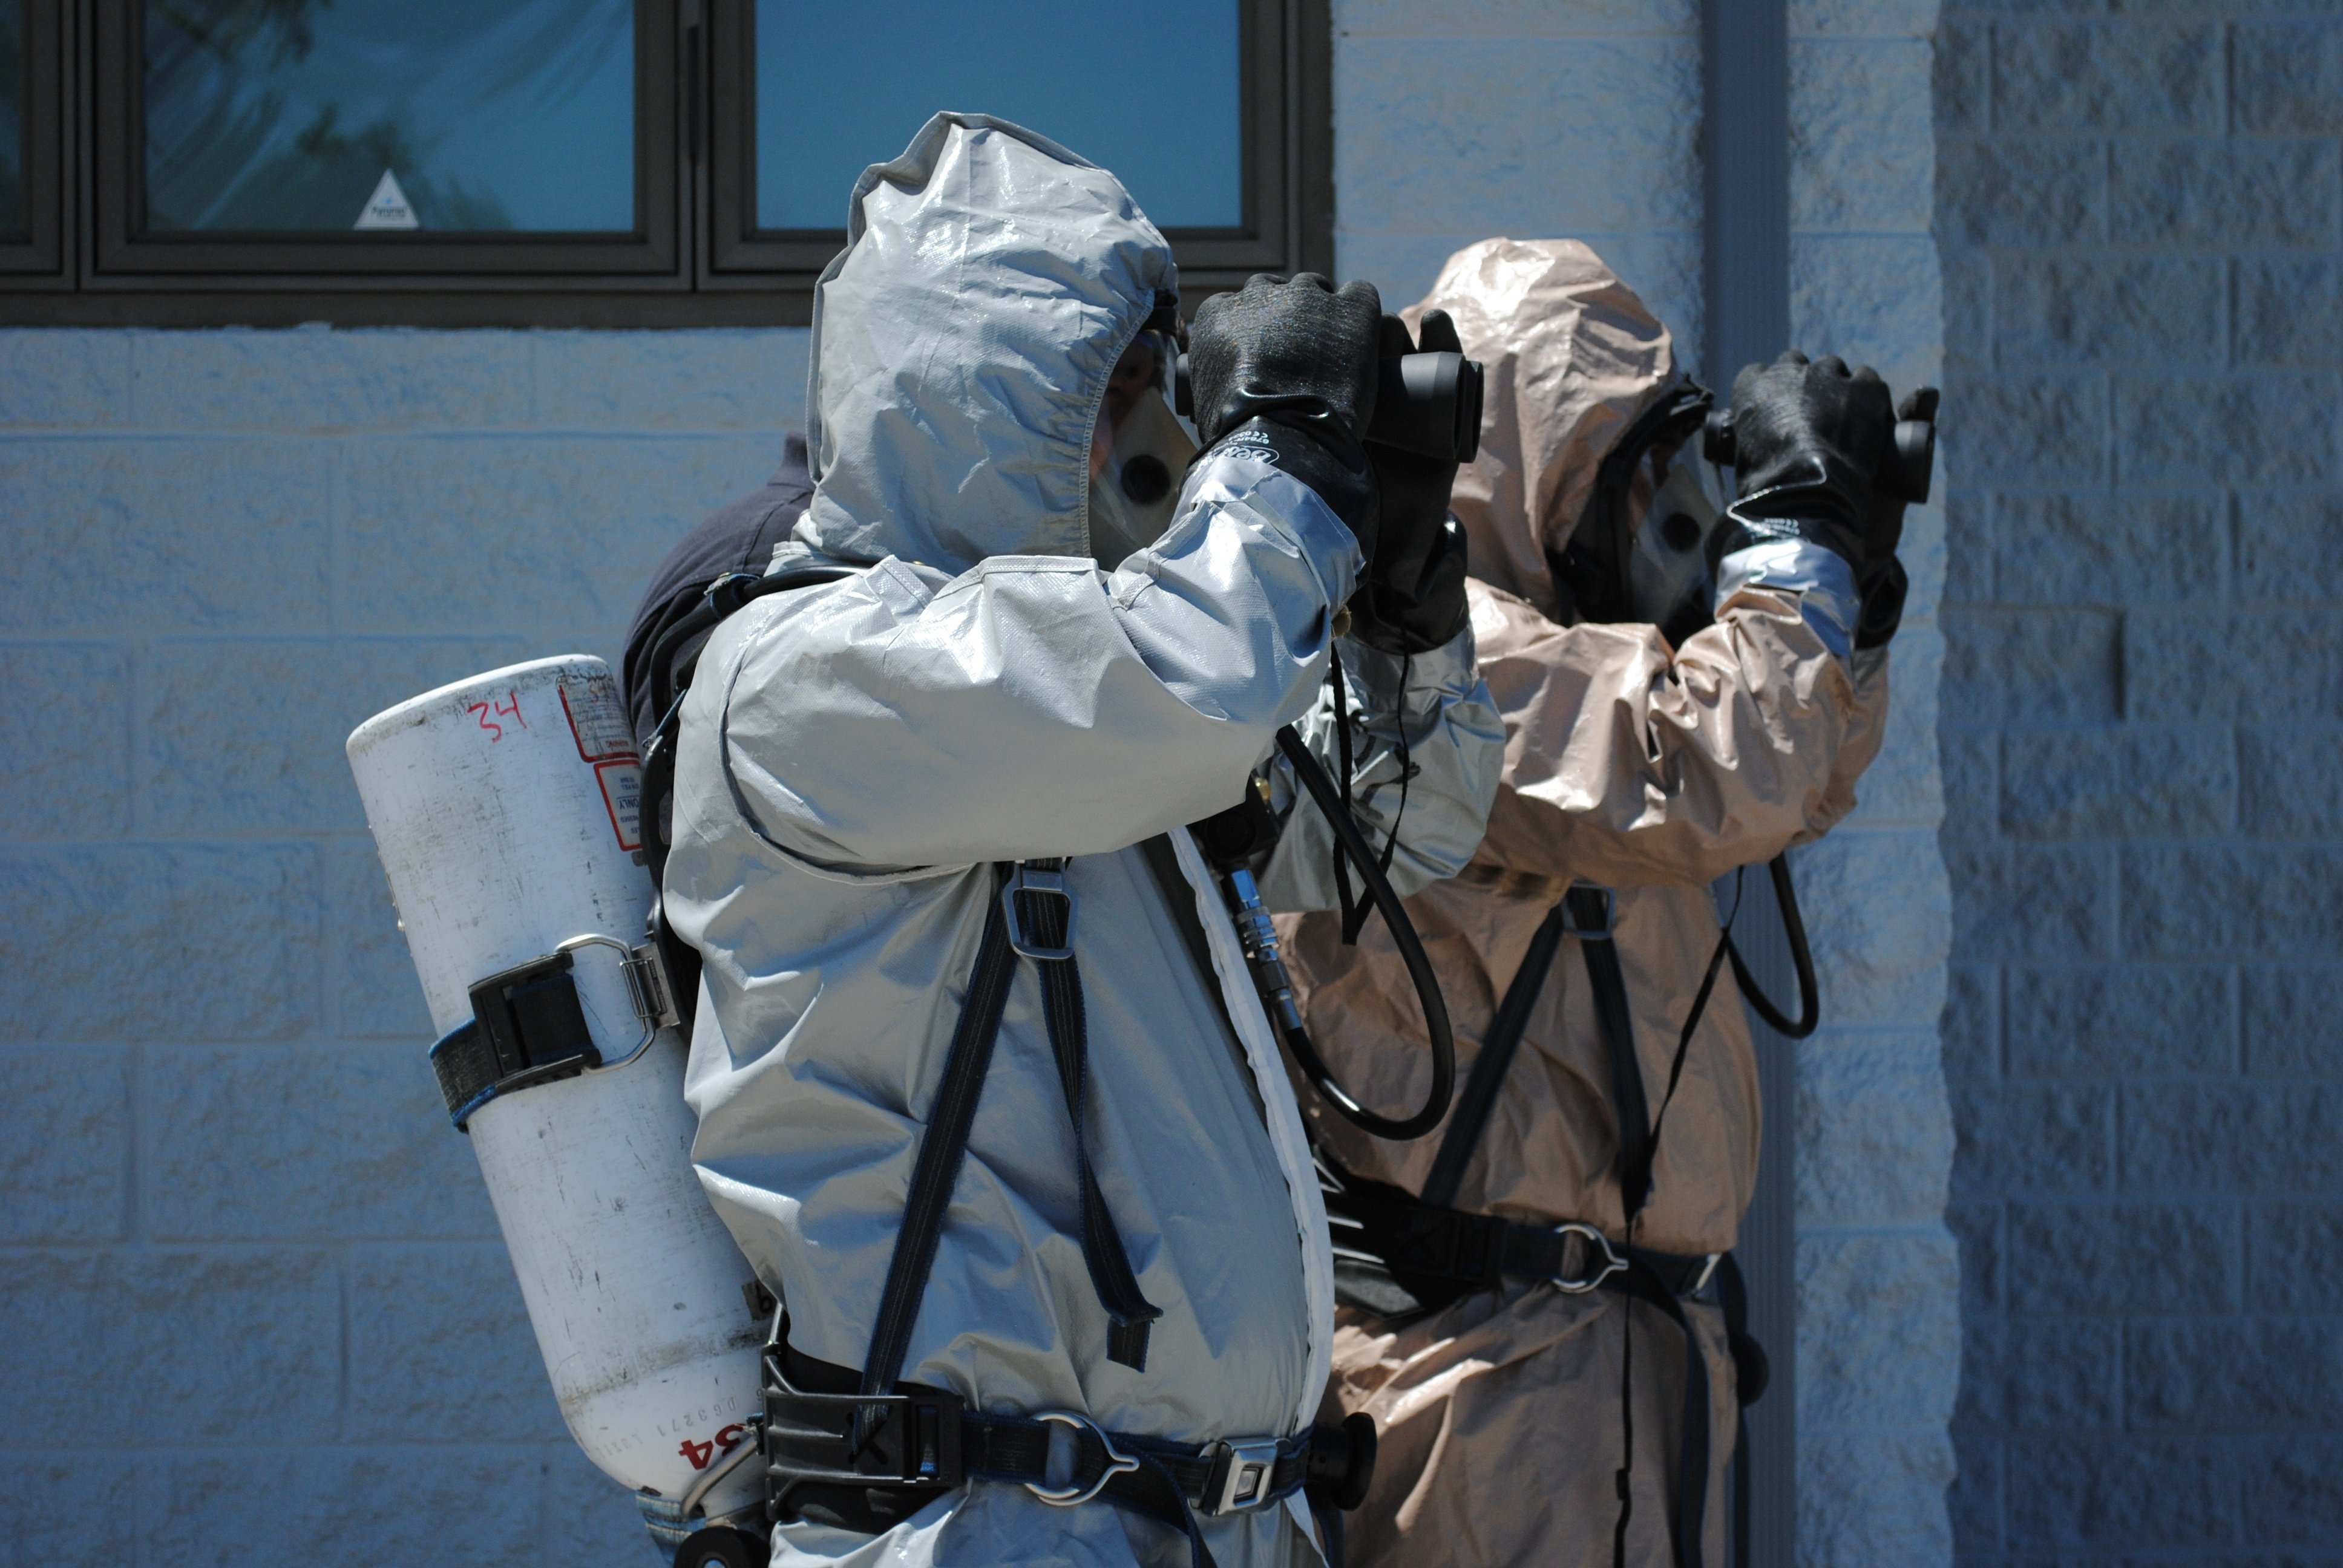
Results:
1133 1255
1486 1318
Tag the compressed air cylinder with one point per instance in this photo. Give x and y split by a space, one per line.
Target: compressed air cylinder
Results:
506 808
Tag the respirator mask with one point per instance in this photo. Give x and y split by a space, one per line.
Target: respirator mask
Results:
1133 497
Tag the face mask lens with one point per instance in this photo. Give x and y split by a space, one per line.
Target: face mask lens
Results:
1146 479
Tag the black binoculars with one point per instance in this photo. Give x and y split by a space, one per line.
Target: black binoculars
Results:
1427 404
1905 473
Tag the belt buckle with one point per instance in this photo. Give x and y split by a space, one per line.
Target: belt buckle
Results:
1613 1263
1583 926
1041 883
1117 1463
1244 1476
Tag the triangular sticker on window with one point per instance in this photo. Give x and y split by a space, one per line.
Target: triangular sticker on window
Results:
387 208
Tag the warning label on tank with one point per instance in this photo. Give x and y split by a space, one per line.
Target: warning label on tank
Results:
622 792
598 719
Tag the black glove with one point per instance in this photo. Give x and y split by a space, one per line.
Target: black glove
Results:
1881 581
1807 438
1413 598
1291 366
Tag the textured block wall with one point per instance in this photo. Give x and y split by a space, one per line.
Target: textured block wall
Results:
252 1297
1878 1273
1530 119
2143 730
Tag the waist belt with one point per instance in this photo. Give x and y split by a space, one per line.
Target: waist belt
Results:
1481 1251
1432 1253
871 1450
865 1462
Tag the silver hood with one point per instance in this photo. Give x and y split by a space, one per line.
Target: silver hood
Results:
962 346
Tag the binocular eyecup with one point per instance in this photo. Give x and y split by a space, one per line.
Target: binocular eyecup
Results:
1427 404
1906 472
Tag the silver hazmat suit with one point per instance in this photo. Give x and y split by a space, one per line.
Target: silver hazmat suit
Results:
854 758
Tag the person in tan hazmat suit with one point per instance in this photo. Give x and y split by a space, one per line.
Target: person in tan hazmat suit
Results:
1492 1286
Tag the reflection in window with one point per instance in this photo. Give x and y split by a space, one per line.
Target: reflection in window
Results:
12 117
1149 91
437 114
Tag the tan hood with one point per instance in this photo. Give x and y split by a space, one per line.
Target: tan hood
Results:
1571 357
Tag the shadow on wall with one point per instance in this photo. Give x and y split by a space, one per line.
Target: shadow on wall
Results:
2142 733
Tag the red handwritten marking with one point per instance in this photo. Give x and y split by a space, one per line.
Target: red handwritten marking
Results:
511 709
699 1454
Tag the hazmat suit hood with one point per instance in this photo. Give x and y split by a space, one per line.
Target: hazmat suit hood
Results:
1571 357
961 346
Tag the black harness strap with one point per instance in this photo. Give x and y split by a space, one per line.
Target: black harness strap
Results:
1590 912
1129 1314
1639 1282
866 1462
944 1147
1748 1385
1639 1137
1488 1075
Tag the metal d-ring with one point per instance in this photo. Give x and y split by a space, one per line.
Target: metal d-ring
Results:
643 987
1611 1262
1118 1463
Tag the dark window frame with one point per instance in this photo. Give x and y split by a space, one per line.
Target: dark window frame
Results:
691 261
123 249
1275 96
34 257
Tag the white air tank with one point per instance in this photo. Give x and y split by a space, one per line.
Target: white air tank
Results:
506 808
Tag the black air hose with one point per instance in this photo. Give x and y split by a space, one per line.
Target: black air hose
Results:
1442 1040
1802 958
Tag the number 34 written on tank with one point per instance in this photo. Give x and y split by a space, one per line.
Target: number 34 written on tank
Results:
490 712
702 1454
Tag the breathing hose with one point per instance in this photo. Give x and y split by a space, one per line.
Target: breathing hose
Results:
1802 959
1442 1040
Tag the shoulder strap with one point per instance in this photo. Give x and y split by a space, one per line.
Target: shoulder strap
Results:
944 1148
1590 912
1048 921
1032 895
1489 1069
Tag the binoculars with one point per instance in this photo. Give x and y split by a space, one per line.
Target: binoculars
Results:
1427 404
1905 473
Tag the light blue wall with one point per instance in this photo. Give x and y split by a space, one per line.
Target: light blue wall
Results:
250 1287
2142 216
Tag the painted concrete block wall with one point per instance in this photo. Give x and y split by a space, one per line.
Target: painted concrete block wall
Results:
1878 1291
2139 212
250 1287
1522 118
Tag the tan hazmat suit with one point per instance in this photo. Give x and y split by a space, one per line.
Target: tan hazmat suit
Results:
1650 769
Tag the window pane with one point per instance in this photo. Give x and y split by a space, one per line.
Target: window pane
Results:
438 114
1150 91
12 117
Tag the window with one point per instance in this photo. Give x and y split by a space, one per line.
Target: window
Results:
32 118
600 162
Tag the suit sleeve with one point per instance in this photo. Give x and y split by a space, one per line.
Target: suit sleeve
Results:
1033 705
1427 748
1630 763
